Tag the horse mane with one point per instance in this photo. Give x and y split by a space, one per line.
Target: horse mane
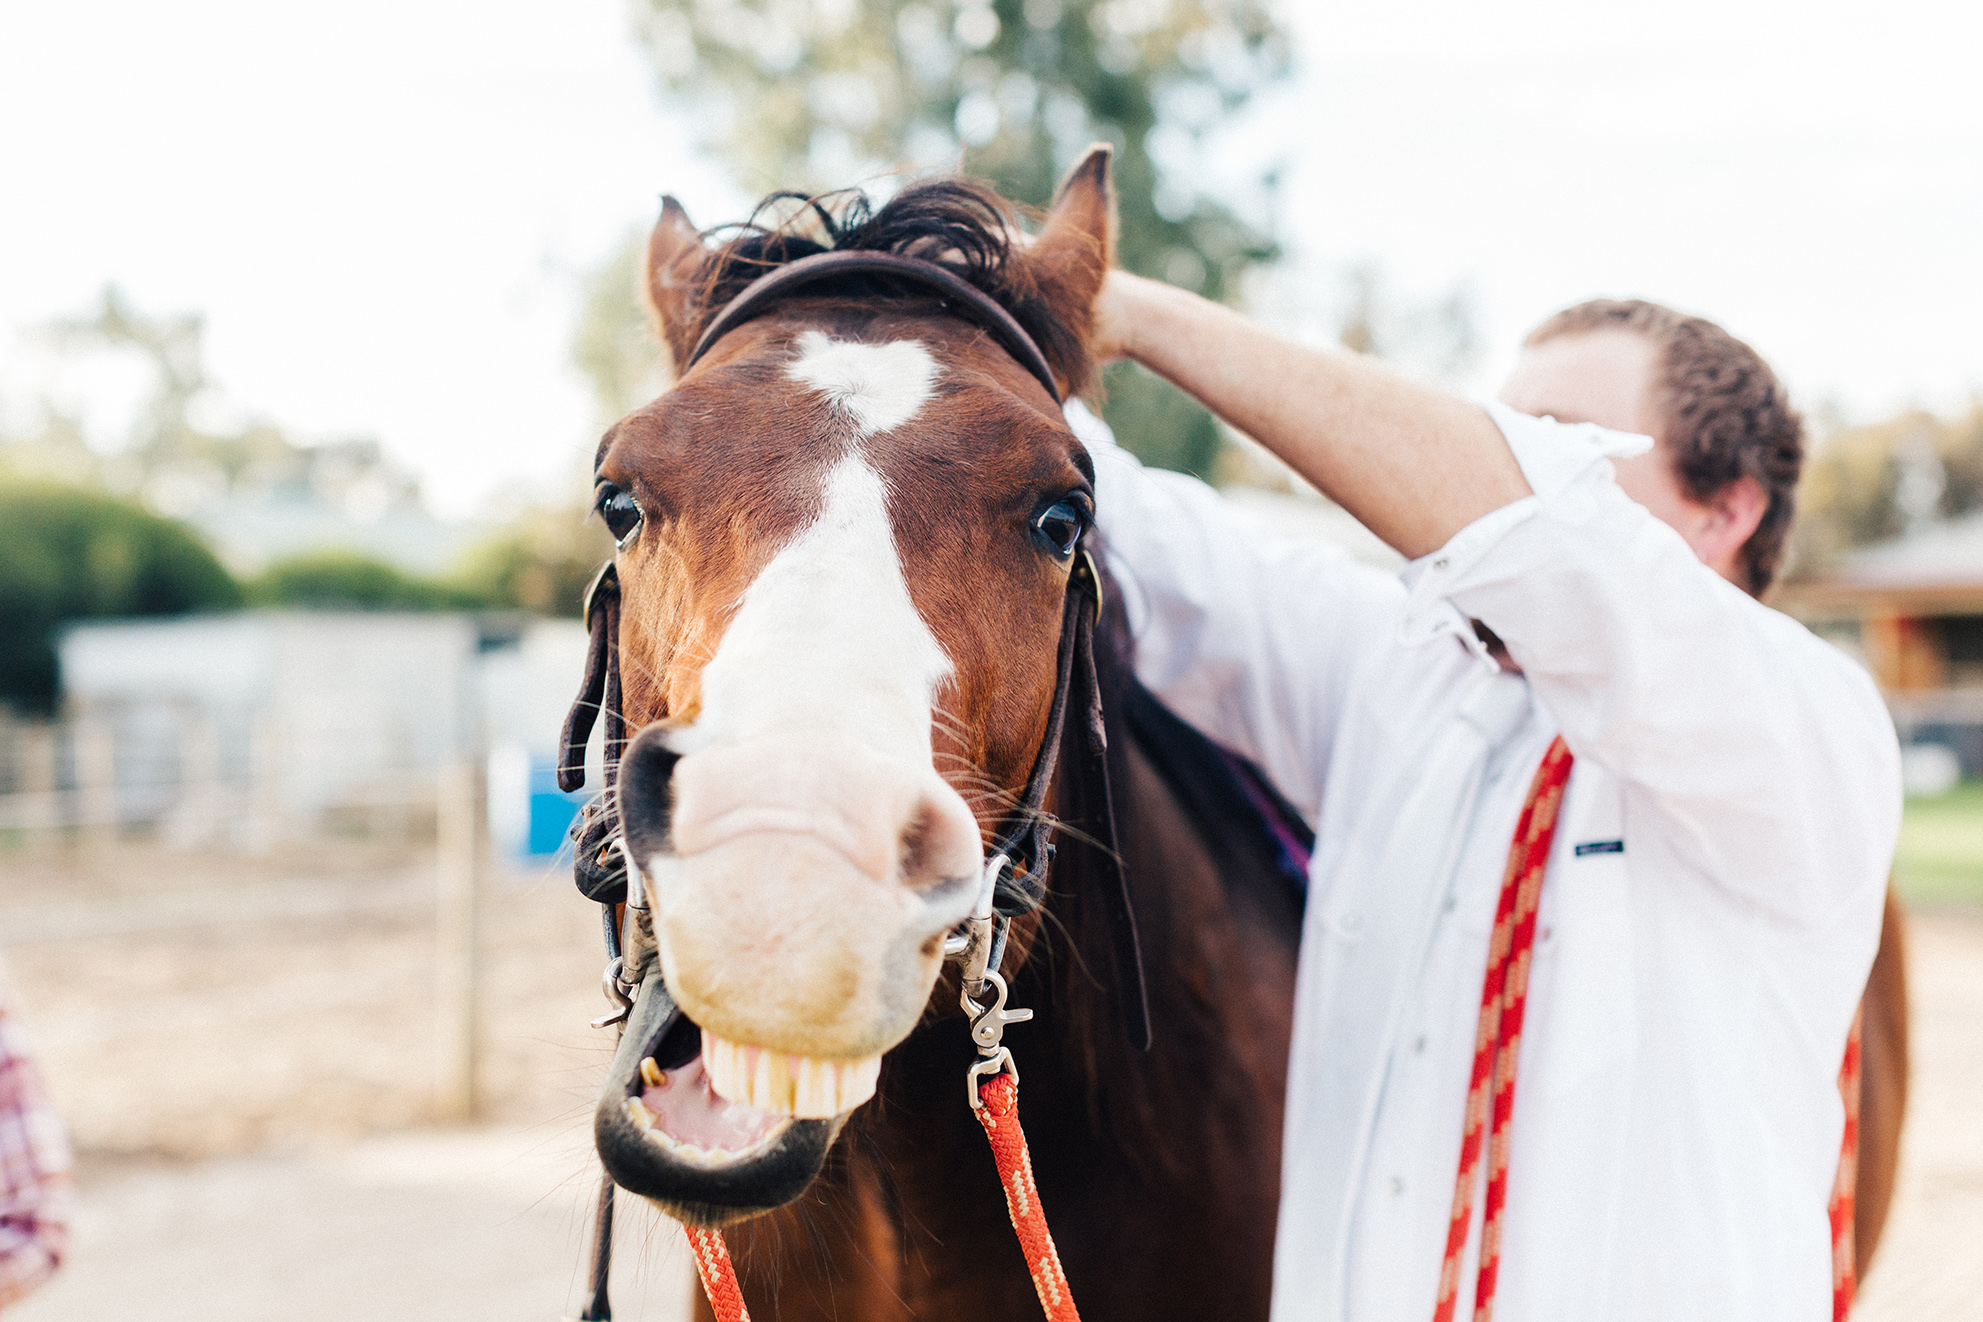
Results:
959 223
1077 977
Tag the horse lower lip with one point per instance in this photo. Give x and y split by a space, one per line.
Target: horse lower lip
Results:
748 1162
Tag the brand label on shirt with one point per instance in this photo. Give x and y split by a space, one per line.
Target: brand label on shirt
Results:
1600 847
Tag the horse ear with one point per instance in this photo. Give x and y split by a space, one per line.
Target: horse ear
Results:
674 254
1076 245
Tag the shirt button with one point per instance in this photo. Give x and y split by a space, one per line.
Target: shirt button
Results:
1447 906
1352 922
1440 563
1397 1184
1419 1045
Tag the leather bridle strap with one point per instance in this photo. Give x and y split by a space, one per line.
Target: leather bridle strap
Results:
958 295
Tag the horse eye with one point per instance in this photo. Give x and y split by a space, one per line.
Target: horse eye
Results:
1060 525
620 511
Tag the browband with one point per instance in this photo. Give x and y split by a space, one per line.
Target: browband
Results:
959 295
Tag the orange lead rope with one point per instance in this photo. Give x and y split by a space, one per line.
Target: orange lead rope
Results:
1497 1052
719 1278
1000 1117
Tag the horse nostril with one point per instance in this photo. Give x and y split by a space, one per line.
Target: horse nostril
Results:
913 855
647 768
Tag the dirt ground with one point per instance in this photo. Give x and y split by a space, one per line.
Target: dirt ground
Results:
246 1054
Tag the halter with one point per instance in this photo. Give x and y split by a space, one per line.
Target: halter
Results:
1014 880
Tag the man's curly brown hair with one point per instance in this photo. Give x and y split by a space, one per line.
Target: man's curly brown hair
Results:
1723 414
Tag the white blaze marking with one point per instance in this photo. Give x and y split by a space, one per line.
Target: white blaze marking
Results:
827 637
880 386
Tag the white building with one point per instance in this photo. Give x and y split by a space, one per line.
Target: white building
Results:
296 717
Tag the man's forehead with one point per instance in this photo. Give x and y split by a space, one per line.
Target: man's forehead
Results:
1605 377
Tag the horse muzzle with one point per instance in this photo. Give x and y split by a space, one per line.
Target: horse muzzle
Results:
665 1132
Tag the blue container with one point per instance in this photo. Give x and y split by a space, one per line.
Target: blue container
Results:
551 809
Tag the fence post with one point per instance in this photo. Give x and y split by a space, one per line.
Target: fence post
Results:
40 783
194 818
100 813
268 784
462 830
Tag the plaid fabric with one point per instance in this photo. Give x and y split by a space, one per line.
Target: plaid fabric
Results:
34 1173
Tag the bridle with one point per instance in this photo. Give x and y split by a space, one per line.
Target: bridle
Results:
1014 879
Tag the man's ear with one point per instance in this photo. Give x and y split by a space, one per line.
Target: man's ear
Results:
1076 246
674 254
1734 512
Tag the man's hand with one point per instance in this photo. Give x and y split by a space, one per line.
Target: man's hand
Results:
1414 464
1114 331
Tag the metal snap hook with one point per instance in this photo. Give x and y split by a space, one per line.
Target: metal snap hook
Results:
988 1021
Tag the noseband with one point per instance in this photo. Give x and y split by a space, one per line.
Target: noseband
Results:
1023 850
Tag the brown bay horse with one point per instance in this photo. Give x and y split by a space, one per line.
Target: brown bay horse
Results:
849 551
850 546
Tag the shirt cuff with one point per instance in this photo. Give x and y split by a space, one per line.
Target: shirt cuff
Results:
1552 456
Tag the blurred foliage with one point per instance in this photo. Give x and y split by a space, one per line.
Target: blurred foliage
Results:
338 579
1870 483
68 553
176 464
541 562
820 94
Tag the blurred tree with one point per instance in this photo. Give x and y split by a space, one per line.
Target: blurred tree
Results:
1869 483
338 579
166 455
67 553
819 94
541 562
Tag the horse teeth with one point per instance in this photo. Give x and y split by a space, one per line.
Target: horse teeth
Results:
787 1084
651 1074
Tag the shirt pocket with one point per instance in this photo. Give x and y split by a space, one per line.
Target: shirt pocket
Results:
1584 947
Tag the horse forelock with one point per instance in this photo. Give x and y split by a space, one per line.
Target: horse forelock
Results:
962 224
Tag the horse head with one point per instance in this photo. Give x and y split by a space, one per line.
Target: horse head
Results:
846 535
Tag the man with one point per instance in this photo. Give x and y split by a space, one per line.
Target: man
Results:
34 1174
1712 899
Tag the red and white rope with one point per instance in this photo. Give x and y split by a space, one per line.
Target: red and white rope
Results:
1000 1117
719 1278
1498 1040
1497 1053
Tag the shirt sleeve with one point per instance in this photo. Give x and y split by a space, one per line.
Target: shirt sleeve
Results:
34 1175
1765 755
1250 637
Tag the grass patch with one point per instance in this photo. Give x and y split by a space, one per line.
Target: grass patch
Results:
1940 857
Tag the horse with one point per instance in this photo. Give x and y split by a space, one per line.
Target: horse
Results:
856 623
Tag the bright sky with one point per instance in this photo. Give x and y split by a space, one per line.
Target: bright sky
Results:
383 208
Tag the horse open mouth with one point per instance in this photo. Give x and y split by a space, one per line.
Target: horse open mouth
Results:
712 1130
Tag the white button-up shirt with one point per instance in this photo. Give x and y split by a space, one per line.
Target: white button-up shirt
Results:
1708 917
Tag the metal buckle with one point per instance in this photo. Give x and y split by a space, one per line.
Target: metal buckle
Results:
1094 577
592 590
979 942
618 992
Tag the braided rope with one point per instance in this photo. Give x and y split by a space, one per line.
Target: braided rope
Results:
1845 1185
1497 1052
719 1277
1498 1040
1000 1117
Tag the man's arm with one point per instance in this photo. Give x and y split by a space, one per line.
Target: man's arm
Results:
1249 637
1413 464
